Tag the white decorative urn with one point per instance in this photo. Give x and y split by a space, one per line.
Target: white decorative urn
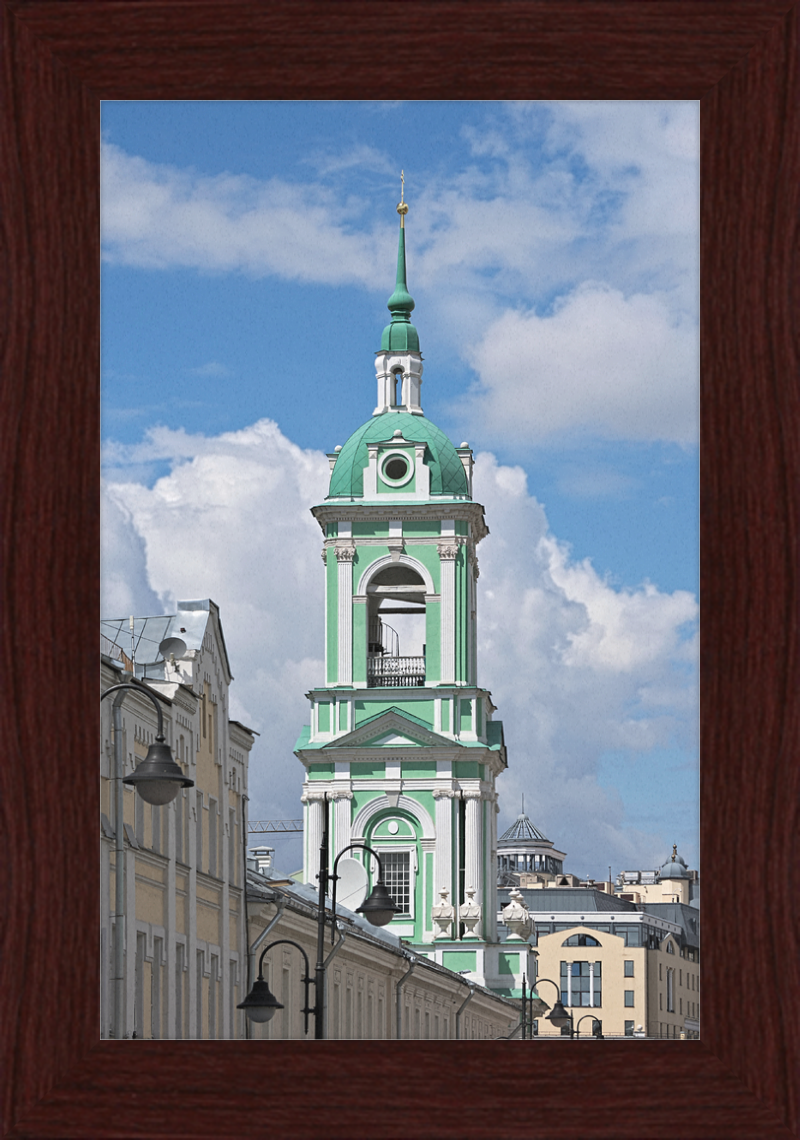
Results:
443 916
517 918
470 913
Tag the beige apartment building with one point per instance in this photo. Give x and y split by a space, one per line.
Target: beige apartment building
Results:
183 955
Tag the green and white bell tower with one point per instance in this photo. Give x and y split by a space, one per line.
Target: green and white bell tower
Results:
402 748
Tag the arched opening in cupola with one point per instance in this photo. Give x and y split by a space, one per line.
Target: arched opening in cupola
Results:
396 627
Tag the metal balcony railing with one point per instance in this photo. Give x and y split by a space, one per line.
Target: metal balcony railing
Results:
401 672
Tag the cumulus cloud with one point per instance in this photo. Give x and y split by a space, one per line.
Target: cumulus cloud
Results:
606 364
575 665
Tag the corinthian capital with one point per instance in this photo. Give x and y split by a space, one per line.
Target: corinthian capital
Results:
313 797
341 794
345 553
445 793
472 794
447 550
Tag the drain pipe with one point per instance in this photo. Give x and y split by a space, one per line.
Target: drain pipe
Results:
461 1009
399 994
251 957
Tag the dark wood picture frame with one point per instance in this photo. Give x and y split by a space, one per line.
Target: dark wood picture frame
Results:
60 59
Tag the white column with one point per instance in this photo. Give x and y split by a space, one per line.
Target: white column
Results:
344 558
314 805
443 853
447 558
474 847
341 819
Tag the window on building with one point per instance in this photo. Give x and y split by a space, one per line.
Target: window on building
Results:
212 997
155 989
397 876
180 966
629 1029
138 1005
670 994
581 984
628 969
660 1001
179 799
155 827
581 940
199 831
629 997
670 948
212 836
597 1028
660 974
201 965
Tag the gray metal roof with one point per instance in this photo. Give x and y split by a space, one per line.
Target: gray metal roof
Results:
522 829
555 899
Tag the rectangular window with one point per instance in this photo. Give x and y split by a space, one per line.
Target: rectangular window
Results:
660 975
156 827
180 960
629 1029
212 997
138 1006
155 989
199 832
629 997
629 969
397 876
670 994
233 862
179 825
138 819
212 837
660 1001
201 965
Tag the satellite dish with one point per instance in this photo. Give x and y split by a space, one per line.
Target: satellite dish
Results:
351 889
172 645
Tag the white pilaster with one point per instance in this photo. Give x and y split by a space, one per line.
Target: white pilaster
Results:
344 559
443 854
447 556
314 806
473 859
342 815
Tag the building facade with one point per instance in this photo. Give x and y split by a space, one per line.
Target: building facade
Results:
376 987
183 954
402 749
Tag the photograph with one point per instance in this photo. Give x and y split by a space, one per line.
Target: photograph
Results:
400 570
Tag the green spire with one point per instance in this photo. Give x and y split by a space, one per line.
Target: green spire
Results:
400 335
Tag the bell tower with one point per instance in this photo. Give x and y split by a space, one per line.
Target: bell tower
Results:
402 748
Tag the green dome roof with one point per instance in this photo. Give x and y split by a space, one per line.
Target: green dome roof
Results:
448 476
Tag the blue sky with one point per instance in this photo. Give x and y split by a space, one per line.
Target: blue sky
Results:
249 252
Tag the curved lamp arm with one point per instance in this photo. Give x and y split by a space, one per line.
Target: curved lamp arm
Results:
580 1019
146 692
307 980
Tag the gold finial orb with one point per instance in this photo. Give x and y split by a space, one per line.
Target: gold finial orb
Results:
402 208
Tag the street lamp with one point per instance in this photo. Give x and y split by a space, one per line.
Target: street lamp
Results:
558 1014
596 1033
378 909
157 778
260 1005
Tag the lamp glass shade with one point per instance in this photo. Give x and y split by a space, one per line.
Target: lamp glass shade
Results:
559 1015
260 1005
158 779
379 909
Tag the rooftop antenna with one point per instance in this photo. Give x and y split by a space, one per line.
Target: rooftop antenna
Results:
133 646
523 803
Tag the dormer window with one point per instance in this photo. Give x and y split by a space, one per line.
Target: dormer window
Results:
396 468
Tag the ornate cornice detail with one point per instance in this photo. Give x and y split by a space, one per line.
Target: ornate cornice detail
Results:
446 793
447 550
310 797
340 794
472 794
324 555
345 553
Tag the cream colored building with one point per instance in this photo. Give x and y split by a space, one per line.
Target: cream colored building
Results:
376 987
184 948
650 990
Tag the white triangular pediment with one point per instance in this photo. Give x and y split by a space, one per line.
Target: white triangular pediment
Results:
394 739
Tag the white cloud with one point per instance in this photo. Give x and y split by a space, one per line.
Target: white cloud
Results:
576 666
603 363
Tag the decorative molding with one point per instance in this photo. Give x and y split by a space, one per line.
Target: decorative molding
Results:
381 803
448 549
387 560
446 793
345 553
340 794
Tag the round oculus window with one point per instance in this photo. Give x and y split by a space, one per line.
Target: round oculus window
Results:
396 468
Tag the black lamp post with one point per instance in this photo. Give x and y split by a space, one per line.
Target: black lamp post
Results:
379 909
261 1004
595 1033
558 1014
157 778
